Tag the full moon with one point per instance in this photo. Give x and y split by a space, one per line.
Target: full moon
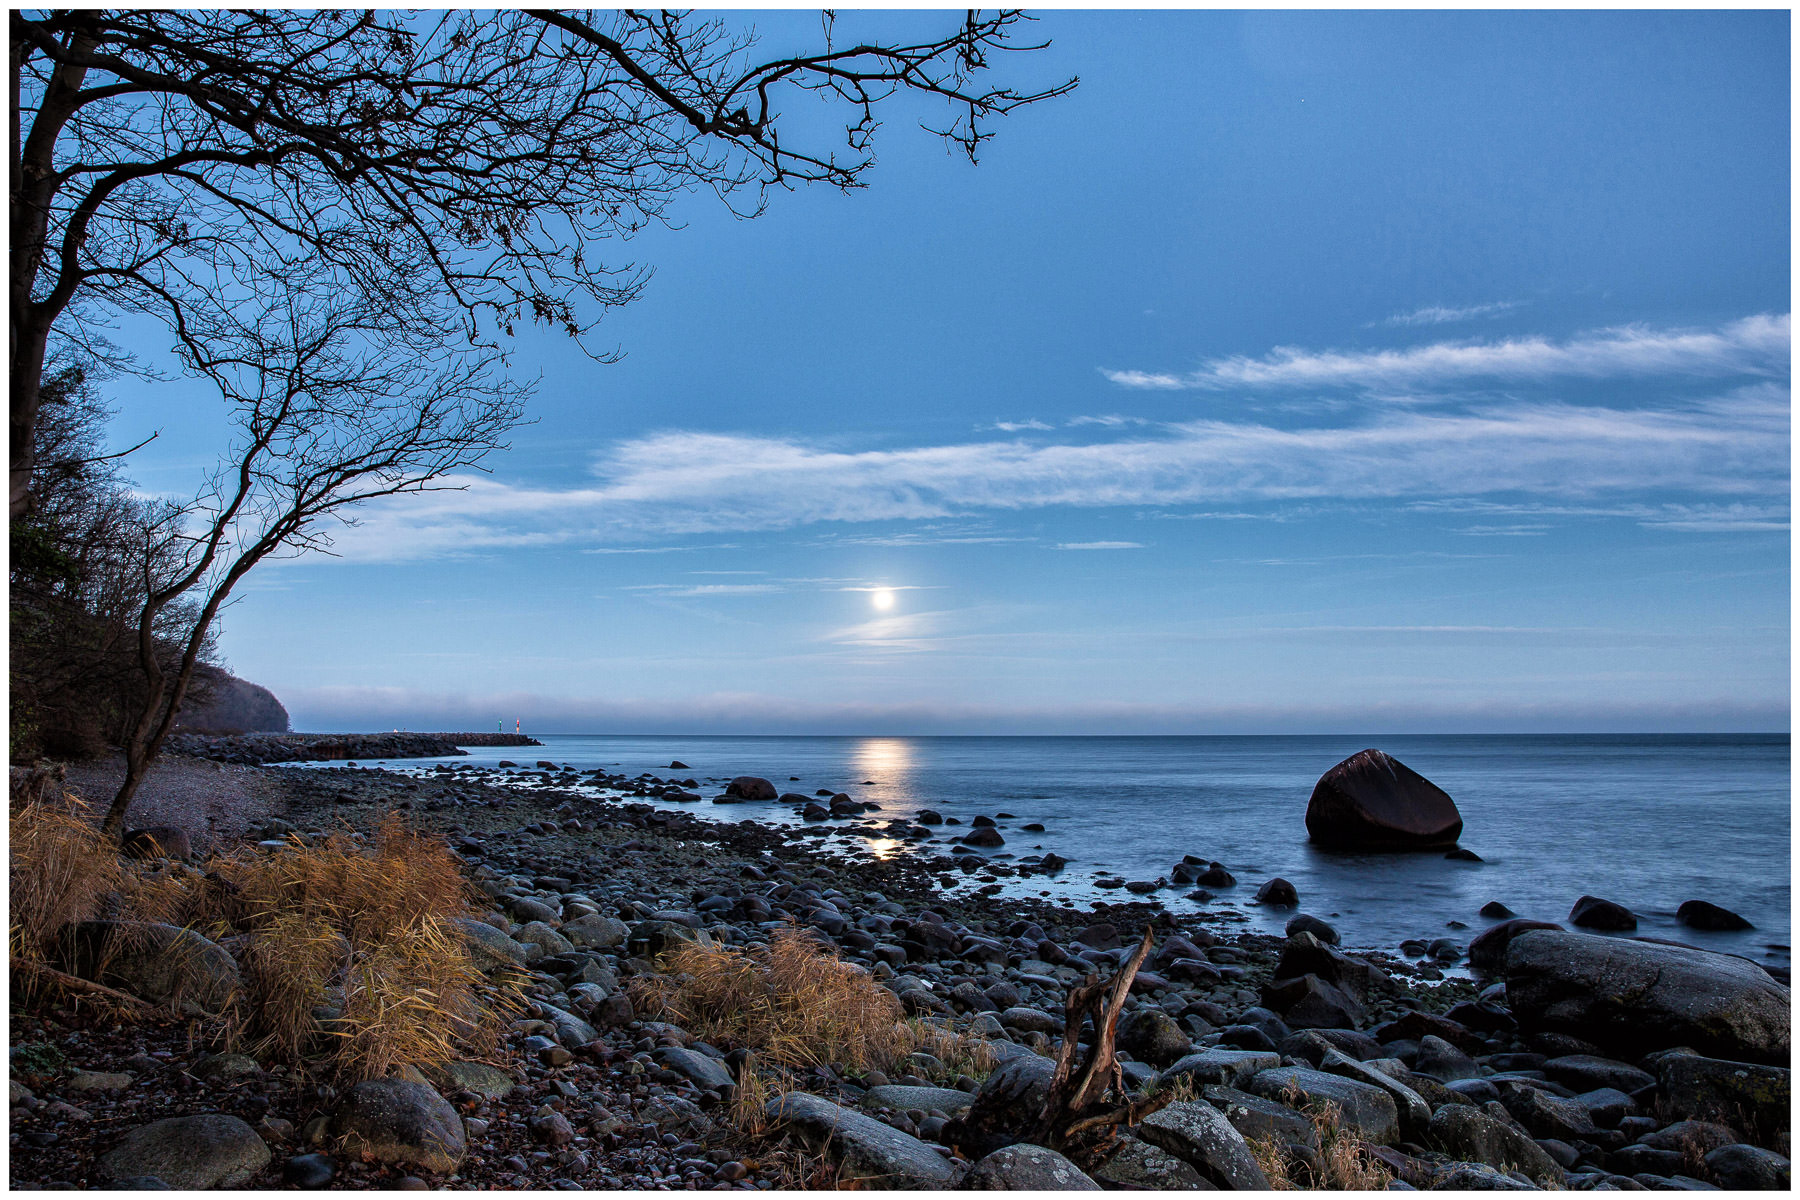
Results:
882 598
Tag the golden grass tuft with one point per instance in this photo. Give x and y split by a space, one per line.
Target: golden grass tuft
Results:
794 1002
62 871
364 931
1348 1166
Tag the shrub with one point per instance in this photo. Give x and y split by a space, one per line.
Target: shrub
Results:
794 1002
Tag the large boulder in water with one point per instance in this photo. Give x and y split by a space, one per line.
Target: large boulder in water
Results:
1633 997
1372 801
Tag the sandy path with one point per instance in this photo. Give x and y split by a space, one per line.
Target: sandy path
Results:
214 802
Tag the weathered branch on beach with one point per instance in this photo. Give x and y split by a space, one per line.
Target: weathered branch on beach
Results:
1076 1119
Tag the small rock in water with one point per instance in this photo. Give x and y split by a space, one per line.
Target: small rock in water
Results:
1591 912
1461 855
1278 893
1698 914
1496 911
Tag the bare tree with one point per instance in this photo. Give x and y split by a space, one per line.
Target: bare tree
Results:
175 164
335 403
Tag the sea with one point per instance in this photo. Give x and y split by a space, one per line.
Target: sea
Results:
1647 820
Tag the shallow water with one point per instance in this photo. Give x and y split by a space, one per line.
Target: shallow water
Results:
1646 820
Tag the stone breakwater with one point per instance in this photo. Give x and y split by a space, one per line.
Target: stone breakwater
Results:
260 749
1576 1061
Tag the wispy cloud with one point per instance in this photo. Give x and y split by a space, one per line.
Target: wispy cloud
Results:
1438 314
1729 449
1108 421
1757 345
1100 545
701 590
1015 426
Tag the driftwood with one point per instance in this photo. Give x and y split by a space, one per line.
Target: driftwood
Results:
76 984
1086 1106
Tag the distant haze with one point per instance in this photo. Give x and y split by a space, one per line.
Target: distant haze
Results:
369 710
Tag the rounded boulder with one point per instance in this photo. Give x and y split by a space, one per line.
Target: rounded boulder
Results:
1373 801
399 1122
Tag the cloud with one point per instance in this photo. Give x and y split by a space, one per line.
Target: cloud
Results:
1109 420
1724 449
698 590
1757 345
1015 426
1100 545
1438 314
1688 518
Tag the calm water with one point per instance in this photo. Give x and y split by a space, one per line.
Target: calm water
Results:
1646 820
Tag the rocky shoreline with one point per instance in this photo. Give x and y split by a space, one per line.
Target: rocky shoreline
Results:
1574 1060
261 749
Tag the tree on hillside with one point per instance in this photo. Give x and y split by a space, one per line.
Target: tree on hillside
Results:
340 217
465 165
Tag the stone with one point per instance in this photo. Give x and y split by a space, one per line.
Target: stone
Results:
1136 1165
1152 1035
1229 1067
1586 1072
99 1081
1704 1136
1025 1168
1010 1099
155 962
1698 914
1487 952
308 1171
1365 1108
1591 912
984 838
1477 1177
1200 1135
901 1097
1258 1118
1634 997
541 935
488 1082
867 1153
210 1150
158 841
1410 1107
1309 1002
1030 1020
400 1123
1547 1116
488 947
592 931
1372 801
1738 1093
1742 1168
1473 1135
1301 923
705 1072
1444 1061
225 1066
751 787
1277 893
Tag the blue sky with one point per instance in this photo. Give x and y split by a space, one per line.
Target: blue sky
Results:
1299 372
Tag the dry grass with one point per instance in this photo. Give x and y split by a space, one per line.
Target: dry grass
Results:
1348 1166
62 871
365 927
793 1002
